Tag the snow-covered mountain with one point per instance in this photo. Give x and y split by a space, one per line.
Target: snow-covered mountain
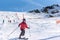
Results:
50 11
40 28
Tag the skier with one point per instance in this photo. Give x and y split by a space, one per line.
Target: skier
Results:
22 26
3 20
9 21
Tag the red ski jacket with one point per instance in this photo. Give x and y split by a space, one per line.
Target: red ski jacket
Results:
23 25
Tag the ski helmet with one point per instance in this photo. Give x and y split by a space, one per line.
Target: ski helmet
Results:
24 19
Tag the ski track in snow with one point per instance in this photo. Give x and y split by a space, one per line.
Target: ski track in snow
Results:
49 38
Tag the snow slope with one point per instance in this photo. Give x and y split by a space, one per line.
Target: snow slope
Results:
40 28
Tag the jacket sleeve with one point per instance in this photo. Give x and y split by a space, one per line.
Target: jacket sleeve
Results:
26 26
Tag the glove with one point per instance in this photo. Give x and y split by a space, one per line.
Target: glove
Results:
18 26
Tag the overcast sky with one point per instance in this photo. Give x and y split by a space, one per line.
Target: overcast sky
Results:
25 5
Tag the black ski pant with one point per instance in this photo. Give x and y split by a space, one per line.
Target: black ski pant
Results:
22 33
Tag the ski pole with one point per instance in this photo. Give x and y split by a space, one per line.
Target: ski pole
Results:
12 31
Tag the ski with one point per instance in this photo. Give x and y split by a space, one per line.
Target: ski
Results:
23 39
18 39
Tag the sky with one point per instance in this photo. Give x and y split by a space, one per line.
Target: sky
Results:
25 5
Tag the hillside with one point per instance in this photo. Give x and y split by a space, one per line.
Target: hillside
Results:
40 28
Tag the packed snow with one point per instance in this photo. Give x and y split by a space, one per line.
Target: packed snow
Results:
41 28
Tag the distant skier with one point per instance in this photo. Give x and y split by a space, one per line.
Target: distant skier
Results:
22 26
9 21
3 20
